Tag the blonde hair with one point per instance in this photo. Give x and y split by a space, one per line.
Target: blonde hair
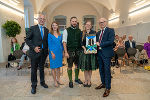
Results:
84 31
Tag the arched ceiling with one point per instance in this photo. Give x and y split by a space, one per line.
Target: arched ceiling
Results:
51 7
42 4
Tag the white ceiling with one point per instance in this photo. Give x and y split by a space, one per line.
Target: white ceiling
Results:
42 4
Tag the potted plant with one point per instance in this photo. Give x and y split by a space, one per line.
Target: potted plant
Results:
12 28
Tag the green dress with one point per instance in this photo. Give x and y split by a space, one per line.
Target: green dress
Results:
87 61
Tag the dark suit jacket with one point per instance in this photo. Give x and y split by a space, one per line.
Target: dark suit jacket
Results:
107 42
127 44
34 39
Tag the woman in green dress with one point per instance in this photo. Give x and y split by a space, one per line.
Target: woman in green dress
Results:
87 62
14 45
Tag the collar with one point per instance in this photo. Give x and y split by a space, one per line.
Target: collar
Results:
104 29
40 26
130 41
73 27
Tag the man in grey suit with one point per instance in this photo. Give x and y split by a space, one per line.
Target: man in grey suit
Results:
36 39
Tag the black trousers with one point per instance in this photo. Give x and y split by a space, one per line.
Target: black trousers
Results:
35 63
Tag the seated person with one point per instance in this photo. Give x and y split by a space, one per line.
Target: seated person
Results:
25 49
116 38
121 44
124 38
130 43
147 48
14 46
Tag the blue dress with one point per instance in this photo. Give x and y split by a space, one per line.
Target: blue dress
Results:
55 45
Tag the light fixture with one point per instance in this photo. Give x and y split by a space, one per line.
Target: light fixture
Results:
114 17
139 2
10 8
140 10
15 2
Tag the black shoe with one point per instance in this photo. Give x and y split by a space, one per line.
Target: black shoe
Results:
100 86
33 90
85 85
44 85
89 85
79 81
71 84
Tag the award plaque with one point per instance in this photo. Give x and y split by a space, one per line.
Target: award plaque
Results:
91 47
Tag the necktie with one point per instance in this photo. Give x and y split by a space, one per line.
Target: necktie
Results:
42 33
100 39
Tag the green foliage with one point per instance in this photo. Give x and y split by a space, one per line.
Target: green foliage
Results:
12 28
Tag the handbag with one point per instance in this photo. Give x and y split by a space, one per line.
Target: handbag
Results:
11 57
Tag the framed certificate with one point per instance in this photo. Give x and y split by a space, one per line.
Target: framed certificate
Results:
91 46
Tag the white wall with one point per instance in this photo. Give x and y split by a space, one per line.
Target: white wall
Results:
1 50
136 25
75 8
140 32
5 15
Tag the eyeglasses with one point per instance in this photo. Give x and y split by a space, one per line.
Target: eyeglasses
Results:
102 22
42 19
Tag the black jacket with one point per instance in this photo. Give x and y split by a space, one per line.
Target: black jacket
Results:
34 39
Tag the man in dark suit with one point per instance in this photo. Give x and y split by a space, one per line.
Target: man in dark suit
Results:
36 39
130 43
105 41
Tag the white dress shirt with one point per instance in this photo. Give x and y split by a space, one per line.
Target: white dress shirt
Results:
40 28
25 48
65 35
131 44
14 46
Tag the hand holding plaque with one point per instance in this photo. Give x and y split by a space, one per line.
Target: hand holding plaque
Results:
91 46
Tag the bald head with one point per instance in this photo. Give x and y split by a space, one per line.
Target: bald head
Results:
103 19
102 23
130 37
41 19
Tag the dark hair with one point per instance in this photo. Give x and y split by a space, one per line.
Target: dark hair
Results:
52 31
73 18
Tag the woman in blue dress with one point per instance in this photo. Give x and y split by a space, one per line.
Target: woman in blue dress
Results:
55 52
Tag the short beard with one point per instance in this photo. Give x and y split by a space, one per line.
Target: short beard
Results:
73 26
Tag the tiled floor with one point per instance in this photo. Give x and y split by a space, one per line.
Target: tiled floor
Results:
127 85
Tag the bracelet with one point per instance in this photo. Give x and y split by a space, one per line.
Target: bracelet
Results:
51 52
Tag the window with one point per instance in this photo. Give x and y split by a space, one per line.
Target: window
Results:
91 18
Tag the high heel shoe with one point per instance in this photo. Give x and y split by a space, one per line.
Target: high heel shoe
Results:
60 83
85 85
89 85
